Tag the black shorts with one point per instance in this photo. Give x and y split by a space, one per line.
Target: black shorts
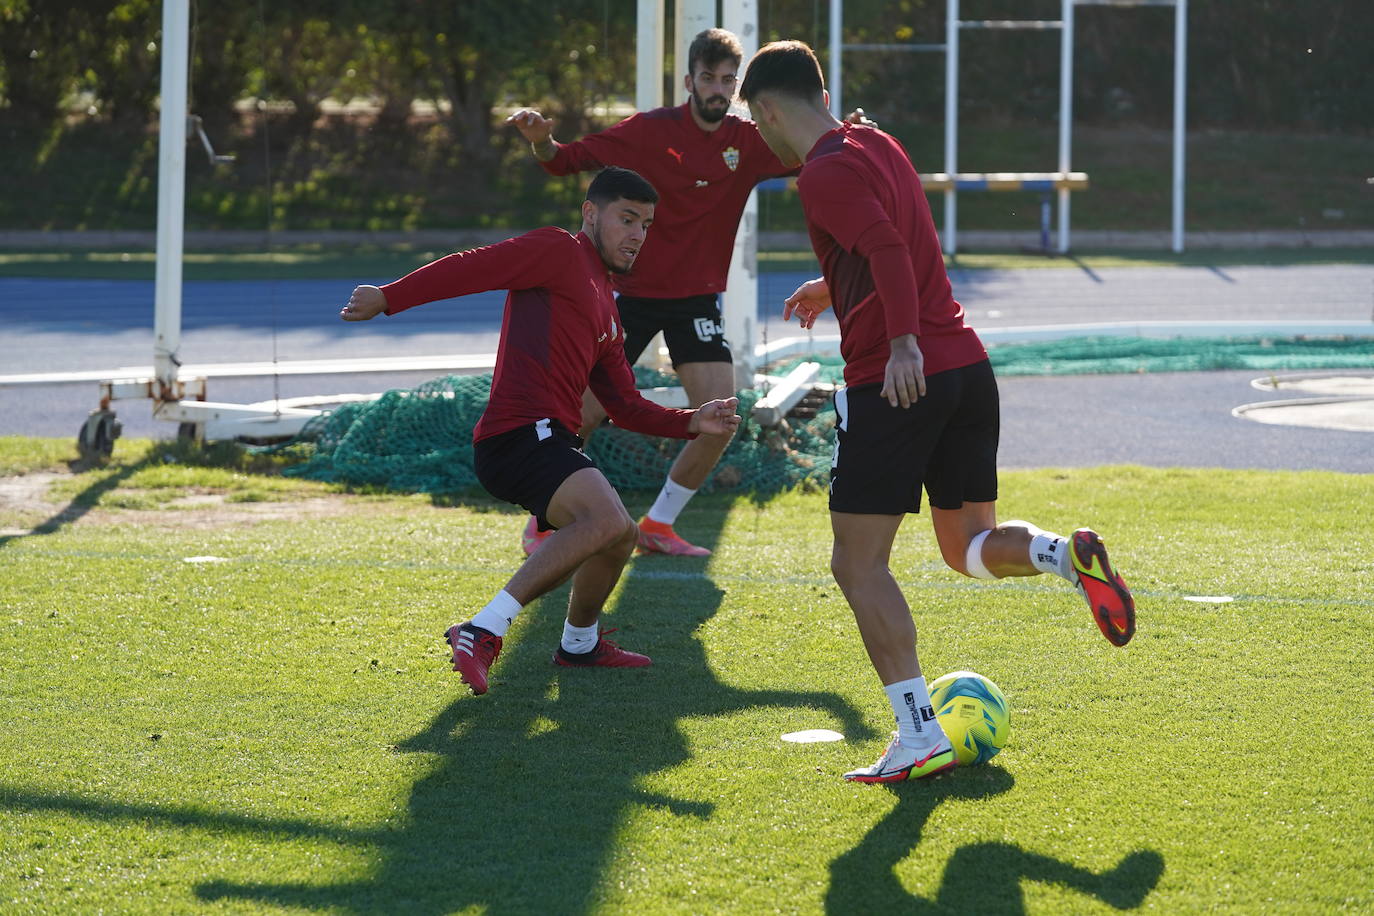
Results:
692 327
946 441
526 466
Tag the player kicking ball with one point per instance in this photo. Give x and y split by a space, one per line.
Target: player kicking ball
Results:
920 406
560 335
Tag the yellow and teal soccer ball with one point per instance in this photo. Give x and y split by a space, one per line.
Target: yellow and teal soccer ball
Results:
974 713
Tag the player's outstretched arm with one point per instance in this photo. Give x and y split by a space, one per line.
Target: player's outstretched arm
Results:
538 130
366 302
716 417
809 300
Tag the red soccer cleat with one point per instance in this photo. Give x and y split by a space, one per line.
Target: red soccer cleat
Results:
1108 597
531 538
474 652
656 537
606 654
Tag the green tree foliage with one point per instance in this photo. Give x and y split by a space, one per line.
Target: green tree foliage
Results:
39 63
1255 63
425 87
1251 63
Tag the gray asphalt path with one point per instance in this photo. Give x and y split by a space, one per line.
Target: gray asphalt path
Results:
999 298
1161 420
1168 419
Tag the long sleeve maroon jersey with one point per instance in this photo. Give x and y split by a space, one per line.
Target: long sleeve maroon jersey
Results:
560 332
703 179
871 228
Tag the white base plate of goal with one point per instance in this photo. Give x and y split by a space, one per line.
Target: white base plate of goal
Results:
813 736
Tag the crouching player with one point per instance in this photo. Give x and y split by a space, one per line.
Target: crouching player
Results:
560 335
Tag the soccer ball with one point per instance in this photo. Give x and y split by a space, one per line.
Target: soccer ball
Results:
974 713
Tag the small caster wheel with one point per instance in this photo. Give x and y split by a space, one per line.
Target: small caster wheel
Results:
96 440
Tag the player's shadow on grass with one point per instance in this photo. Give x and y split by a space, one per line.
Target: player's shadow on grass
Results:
979 878
532 784
80 504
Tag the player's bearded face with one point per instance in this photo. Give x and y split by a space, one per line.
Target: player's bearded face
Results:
619 232
712 90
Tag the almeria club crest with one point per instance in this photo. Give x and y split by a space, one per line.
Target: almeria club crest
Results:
731 157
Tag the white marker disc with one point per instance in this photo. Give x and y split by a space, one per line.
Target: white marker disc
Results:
812 736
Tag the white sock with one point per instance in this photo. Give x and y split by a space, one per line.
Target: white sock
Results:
1049 553
496 617
916 723
672 499
579 640
973 560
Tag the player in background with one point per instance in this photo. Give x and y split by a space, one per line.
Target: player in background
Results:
560 334
704 161
920 406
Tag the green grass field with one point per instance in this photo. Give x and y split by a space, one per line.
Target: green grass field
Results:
278 729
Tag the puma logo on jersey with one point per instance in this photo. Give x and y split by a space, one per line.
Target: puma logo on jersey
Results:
675 154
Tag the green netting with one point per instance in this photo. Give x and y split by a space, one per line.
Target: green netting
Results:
1116 355
420 440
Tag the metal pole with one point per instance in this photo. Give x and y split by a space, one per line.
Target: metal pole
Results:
690 17
1065 117
836 50
649 55
693 17
171 194
951 122
1180 103
739 306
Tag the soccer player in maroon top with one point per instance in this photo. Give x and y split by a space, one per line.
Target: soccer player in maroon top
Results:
920 405
561 333
704 161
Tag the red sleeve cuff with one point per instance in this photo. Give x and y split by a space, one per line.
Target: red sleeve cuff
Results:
395 298
556 165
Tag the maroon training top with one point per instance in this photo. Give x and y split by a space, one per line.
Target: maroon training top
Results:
871 229
560 333
703 179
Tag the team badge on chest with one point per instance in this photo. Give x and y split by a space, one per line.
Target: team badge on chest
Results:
731 157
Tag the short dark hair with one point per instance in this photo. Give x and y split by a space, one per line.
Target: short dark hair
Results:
789 67
614 183
711 47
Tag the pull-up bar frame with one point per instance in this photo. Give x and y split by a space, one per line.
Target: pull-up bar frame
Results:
953 26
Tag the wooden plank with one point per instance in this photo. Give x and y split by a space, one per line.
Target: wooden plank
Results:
783 396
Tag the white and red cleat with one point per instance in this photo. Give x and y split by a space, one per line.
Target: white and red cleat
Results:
900 763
